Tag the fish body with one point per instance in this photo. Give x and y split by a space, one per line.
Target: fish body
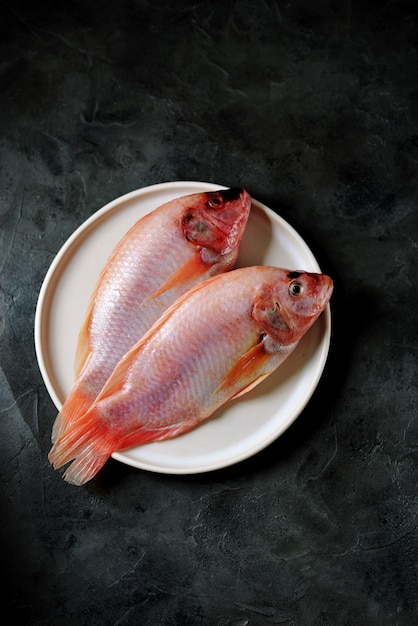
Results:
213 344
164 254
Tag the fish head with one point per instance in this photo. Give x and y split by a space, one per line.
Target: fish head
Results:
214 221
289 302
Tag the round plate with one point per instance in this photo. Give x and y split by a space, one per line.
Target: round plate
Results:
241 428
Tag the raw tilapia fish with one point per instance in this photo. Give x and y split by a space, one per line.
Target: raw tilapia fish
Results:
213 344
163 255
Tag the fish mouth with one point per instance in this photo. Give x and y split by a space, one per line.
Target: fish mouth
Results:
328 289
325 292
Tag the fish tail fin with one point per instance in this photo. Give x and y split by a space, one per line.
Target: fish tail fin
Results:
76 405
84 468
88 445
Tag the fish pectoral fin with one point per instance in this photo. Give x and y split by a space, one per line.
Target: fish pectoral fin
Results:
190 270
247 372
250 386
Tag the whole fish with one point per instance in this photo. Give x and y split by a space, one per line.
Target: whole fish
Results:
213 344
163 255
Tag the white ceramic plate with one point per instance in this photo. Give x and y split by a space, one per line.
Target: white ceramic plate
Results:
237 431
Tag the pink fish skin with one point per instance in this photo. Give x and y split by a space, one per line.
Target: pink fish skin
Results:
164 254
213 344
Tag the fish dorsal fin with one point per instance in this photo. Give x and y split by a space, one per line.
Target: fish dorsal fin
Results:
83 344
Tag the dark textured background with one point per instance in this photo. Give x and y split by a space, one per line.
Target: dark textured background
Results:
313 107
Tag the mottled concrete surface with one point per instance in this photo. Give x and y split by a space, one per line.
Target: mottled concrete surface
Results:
312 106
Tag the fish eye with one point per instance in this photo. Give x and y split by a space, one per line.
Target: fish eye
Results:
215 201
296 289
